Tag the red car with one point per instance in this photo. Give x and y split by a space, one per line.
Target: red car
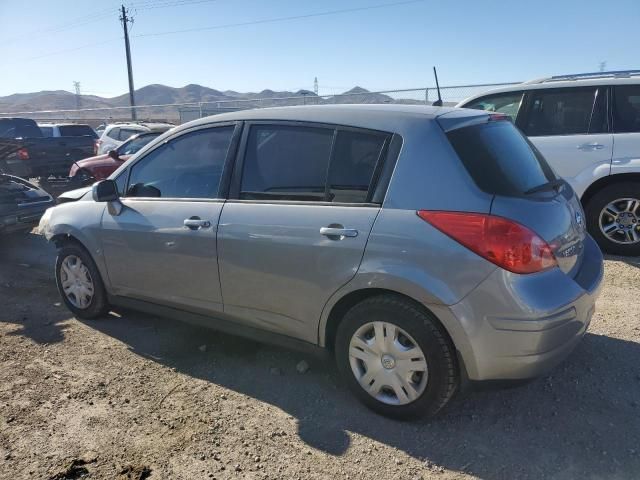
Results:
92 169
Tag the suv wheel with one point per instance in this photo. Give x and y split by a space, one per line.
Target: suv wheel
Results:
79 283
613 218
396 358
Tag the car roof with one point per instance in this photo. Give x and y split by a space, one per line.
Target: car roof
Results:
385 117
48 124
548 83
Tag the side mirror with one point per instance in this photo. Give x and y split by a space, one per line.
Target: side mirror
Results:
105 191
114 154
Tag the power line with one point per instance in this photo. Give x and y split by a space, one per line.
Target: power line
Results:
281 19
167 3
75 23
59 52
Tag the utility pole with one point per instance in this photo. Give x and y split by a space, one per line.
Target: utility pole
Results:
603 65
76 85
125 21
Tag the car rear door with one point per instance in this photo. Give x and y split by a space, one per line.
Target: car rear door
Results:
162 246
626 129
302 204
570 126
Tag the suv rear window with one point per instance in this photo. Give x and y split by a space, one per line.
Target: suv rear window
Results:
77 131
500 159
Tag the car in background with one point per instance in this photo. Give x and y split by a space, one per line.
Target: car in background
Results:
116 134
21 204
420 246
67 130
587 126
92 169
25 152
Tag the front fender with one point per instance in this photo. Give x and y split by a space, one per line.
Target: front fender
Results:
80 221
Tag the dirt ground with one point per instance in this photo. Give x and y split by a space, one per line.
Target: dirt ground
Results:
133 397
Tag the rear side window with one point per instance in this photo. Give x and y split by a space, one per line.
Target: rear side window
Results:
114 133
286 163
566 111
311 164
47 131
125 133
353 165
500 159
77 131
507 103
626 108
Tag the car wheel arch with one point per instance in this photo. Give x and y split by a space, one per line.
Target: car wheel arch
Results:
604 182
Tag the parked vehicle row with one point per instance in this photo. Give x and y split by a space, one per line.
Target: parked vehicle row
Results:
26 152
587 126
421 246
116 134
87 171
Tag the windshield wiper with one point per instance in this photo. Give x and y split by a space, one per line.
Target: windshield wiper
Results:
551 185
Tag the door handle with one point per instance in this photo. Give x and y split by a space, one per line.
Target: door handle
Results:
590 146
338 232
196 223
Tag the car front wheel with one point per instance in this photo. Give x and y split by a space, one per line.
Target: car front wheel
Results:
79 282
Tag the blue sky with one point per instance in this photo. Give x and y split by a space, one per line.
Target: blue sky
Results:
392 47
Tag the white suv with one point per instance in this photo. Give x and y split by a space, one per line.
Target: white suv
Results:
587 126
116 134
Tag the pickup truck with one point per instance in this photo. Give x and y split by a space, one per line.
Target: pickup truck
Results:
25 152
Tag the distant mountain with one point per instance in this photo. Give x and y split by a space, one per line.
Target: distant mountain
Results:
157 94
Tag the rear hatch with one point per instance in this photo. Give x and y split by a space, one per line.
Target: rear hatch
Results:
503 162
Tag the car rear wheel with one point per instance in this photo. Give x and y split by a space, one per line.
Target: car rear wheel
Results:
79 282
613 218
396 358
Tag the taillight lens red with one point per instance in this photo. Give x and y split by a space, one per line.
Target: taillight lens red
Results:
503 242
23 154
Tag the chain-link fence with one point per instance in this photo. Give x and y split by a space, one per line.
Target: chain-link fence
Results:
184 112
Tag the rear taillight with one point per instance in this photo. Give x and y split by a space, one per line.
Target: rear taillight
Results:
96 146
23 154
504 242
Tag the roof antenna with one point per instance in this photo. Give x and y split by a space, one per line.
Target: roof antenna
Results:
437 103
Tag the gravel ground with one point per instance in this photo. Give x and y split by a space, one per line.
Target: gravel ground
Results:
133 397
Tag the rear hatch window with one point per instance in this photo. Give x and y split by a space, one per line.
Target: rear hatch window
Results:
504 163
77 131
500 159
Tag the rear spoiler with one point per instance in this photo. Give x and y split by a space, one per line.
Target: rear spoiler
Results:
462 117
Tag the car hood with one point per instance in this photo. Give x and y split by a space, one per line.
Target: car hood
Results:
73 195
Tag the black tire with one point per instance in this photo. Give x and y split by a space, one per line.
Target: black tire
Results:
595 206
98 306
439 352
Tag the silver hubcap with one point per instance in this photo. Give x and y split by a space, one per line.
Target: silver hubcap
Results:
620 220
388 363
76 282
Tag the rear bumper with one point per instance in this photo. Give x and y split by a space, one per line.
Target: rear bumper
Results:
515 327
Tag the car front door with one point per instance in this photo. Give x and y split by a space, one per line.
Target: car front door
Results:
570 127
302 205
162 246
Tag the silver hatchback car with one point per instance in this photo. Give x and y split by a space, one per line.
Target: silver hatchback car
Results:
421 246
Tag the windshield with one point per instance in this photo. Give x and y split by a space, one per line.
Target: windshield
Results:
132 146
500 159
